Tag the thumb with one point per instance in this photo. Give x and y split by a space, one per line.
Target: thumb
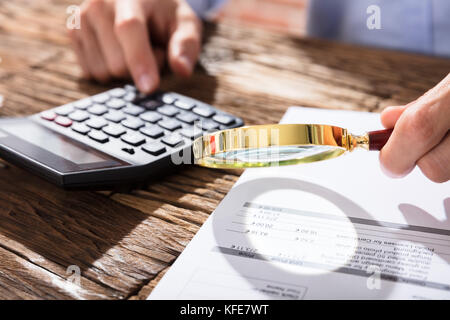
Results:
390 115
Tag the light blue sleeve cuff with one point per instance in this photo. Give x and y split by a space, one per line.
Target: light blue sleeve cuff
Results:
206 9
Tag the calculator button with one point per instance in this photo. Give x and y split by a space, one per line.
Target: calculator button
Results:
115 116
118 92
64 110
204 111
48 115
150 116
154 148
129 97
173 140
207 125
133 123
98 109
101 98
167 99
97 123
167 110
170 124
187 117
63 121
98 136
79 116
82 104
191 133
224 119
134 138
129 87
114 130
152 131
81 128
116 103
133 110
185 105
151 104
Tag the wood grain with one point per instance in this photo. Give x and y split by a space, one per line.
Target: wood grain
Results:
124 242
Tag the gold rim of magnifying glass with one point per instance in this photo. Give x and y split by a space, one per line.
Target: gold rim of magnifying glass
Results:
279 135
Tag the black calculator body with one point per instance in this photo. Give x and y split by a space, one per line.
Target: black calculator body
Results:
113 138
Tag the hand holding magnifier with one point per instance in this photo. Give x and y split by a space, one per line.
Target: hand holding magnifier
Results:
280 144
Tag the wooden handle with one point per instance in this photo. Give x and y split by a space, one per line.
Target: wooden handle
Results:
377 139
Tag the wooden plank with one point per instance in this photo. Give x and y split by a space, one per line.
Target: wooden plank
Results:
28 275
114 245
124 242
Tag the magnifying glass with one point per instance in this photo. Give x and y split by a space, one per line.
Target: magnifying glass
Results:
280 144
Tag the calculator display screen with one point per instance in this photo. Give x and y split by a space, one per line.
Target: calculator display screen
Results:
55 143
53 149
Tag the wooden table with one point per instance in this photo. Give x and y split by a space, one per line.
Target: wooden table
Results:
124 242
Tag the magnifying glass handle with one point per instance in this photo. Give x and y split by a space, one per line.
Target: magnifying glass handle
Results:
377 139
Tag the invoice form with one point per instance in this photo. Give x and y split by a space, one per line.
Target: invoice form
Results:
333 229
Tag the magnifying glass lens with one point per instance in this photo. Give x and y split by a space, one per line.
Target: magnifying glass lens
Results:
275 155
280 144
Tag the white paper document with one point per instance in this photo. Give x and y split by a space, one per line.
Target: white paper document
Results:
335 229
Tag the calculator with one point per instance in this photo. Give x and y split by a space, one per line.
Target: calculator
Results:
117 137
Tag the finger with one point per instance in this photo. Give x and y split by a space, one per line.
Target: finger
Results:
436 163
131 31
420 127
390 115
185 42
101 18
91 49
76 45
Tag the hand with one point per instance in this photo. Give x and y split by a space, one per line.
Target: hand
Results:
119 38
421 135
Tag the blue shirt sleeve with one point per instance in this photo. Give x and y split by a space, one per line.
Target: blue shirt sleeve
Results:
413 25
206 9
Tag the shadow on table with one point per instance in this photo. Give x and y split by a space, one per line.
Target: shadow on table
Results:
66 227
80 227
282 265
200 85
